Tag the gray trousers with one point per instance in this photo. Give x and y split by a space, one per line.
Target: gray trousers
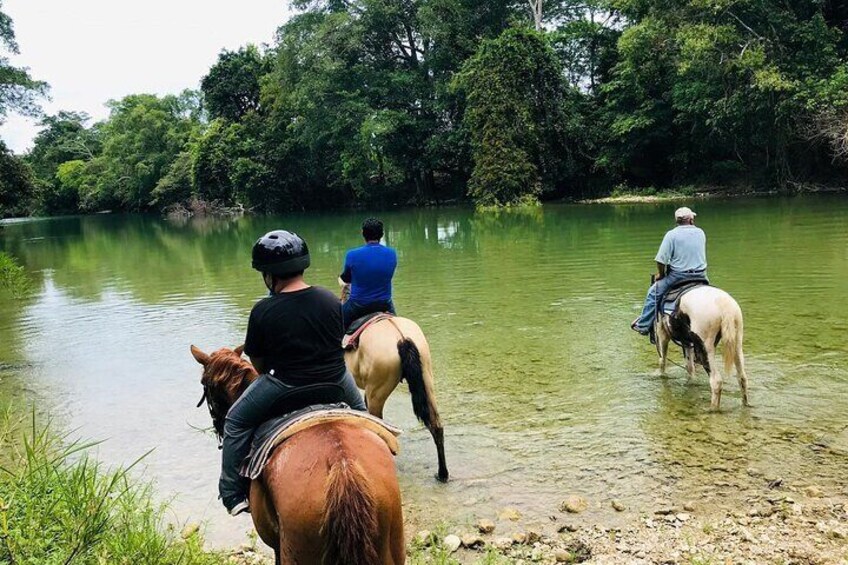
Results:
251 410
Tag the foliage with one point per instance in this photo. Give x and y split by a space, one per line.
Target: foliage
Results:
364 102
13 278
16 184
516 104
57 505
231 89
19 92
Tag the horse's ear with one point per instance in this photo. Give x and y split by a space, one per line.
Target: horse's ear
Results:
200 356
239 350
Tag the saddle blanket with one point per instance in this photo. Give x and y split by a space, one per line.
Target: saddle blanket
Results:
671 300
274 432
351 338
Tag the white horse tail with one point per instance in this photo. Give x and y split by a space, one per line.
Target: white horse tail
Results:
731 334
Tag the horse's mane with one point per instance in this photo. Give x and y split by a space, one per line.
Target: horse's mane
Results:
225 378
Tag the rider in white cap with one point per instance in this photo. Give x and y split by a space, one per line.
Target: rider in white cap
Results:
682 255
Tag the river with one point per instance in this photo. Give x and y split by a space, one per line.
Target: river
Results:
543 388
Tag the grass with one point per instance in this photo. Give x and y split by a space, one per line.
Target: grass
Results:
13 277
59 506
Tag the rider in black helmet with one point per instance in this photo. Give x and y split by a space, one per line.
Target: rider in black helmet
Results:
293 339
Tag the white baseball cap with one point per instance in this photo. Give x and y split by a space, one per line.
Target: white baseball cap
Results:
683 213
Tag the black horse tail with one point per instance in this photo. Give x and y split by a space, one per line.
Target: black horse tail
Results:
411 371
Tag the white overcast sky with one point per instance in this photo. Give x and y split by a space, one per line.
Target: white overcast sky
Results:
90 51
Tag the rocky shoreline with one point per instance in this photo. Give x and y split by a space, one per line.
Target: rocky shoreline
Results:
788 526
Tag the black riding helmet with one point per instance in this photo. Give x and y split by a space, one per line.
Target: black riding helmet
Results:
280 253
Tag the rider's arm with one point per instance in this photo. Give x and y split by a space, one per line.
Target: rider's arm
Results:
346 275
661 270
259 364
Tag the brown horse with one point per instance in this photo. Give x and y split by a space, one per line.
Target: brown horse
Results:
389 351
328 495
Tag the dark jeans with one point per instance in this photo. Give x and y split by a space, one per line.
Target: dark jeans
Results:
251 410
354 310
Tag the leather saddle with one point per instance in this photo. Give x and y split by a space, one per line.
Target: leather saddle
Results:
351 337
670 301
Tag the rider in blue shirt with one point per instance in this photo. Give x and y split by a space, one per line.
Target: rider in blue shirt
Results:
369 270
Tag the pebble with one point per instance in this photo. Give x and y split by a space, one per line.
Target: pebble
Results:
682 517
567 528
813 491
451 543
518 537
424 538
562 556
502 543
532 536
618 505
472 541
510 514
485 526
574 504
190 530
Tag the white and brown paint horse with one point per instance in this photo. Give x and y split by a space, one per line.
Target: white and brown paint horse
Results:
706 316
390 351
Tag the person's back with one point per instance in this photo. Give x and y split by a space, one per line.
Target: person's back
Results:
369 270
293 339
684 249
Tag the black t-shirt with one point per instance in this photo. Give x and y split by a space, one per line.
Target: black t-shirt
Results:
298 335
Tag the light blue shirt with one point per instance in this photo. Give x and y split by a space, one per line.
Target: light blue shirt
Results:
684 248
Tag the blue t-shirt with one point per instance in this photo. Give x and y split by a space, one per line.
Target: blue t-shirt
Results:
369 269
684 249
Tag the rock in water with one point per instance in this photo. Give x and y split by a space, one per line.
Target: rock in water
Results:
451 543
563 556
813 491
485 526
618 505
574 504
190 530
424 538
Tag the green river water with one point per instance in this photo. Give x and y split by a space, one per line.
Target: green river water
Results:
543 388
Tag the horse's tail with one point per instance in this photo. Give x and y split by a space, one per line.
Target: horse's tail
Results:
350 525
412 371
731 334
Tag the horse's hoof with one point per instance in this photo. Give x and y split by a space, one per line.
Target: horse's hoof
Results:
442 477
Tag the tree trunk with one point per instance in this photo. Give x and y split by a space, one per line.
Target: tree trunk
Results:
536 8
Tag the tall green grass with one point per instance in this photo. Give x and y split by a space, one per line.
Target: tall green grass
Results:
58 505
12 276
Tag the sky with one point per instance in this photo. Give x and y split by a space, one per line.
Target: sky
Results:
91 51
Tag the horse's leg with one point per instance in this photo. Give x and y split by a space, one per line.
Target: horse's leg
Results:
715 375
741 376
689 353
664 339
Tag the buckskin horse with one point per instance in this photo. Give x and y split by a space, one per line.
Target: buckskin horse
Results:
706 315
389 351
328 495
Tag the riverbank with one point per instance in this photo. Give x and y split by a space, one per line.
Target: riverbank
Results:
626 195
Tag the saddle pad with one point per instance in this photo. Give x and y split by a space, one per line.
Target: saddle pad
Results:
279 430
351 339
672 297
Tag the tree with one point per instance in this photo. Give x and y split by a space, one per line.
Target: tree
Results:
19 92
515 115
16 184
231 89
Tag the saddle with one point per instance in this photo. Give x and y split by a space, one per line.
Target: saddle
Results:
670 301
668 307
351 337
274 432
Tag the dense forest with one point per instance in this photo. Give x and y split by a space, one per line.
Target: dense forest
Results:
501 102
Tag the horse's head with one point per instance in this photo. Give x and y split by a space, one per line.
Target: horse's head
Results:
225 377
